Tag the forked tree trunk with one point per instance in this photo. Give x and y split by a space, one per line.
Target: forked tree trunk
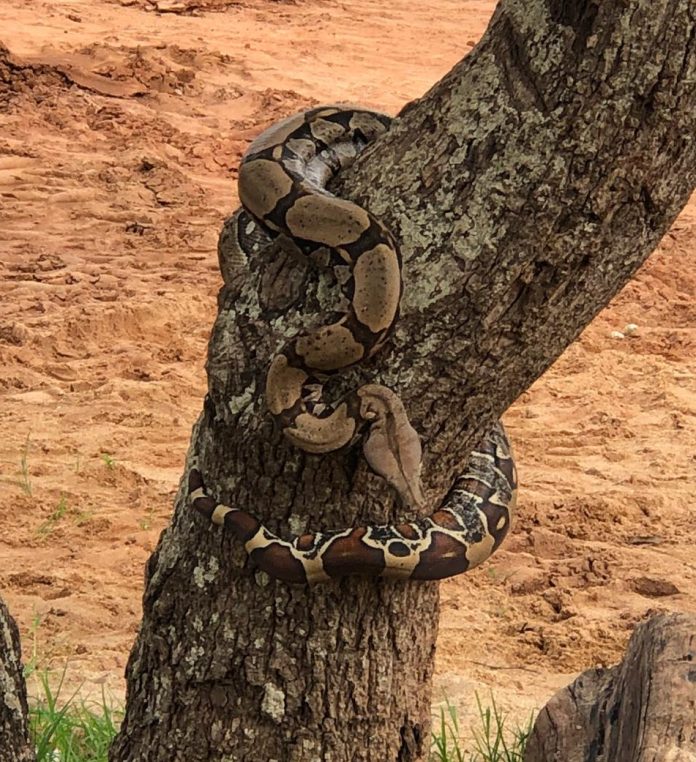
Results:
526 188
643 710
14 731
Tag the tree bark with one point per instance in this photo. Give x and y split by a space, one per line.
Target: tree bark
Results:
526 188
643 710
14 729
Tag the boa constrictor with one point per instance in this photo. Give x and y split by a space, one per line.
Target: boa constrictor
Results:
282 186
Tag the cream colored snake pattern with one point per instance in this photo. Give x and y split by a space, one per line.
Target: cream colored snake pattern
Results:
283 182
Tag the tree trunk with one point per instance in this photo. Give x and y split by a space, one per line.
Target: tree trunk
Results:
14 730
526 188
643 710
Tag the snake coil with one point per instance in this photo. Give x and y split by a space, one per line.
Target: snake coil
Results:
282 186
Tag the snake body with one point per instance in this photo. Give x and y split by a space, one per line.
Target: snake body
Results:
282 185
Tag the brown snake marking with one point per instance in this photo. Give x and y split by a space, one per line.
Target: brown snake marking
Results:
282 187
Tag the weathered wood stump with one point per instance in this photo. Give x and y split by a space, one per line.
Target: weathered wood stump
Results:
14 732
642 710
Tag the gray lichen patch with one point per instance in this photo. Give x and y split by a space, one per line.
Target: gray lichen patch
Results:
202 575
297 524
273 702
241 402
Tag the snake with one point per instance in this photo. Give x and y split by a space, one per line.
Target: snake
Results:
283 189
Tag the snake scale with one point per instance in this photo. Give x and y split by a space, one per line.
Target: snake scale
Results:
283 181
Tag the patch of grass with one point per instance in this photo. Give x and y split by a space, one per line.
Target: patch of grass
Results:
49 525
109 461
446 737
70 730
65 728
30 666
24 481
78 517
494 740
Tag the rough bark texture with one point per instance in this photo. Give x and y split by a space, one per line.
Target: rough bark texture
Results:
14 731
526 189
643 710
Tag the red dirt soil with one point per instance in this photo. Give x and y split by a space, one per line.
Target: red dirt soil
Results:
121 128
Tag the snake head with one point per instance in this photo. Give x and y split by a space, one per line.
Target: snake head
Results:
392 447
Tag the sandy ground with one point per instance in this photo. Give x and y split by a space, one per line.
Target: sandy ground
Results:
118 153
